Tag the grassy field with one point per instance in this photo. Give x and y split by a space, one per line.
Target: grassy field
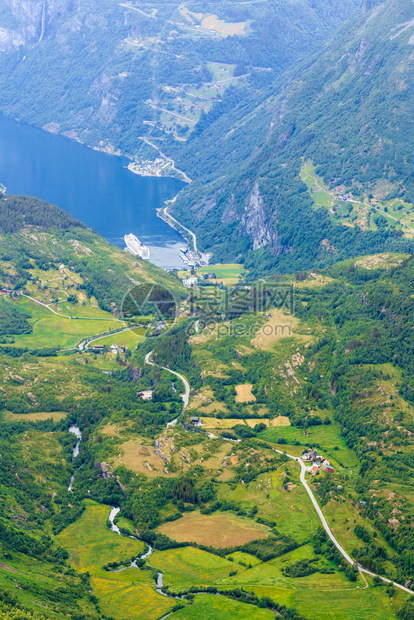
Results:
129 601
56 416
345 603
244 393
188 566
278 326
139 458
329 437
281 420
129 594
244 558
91 544
221 529
364 210
291 509
129 338
229 273
50 330
210 607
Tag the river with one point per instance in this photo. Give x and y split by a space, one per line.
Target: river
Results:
94 187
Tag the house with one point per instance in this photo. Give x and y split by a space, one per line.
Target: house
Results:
328 467
314 469
6 291
196 421
190 282
310 456
114 347
98 347
146 394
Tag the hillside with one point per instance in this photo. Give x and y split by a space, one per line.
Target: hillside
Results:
59 270
223 512
111 74
346 115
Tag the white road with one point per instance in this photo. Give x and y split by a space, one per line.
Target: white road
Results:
186 395
328 530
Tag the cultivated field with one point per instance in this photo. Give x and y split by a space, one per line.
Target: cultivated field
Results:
216 530
50 330
188 566
130 601
244 393
91 544
281 420
129 338
56 416
210 607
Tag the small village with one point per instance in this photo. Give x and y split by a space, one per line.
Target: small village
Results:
317 463
150 168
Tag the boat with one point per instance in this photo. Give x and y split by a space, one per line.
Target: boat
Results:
135 246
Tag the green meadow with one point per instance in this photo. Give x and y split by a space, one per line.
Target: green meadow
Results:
91 544
211 607
50 330
130 593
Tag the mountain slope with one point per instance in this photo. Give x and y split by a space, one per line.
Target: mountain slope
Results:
110 73
350 113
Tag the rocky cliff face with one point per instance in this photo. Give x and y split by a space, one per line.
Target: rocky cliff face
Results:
24 22
255 221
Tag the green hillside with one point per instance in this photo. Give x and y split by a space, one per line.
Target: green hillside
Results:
346 111
127 71
223 517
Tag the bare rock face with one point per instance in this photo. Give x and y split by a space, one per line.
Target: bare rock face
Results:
254 220
29 21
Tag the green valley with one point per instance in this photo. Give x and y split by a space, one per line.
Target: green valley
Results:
210 509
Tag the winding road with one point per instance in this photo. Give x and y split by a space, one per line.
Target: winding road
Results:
309 491
328 529
186 395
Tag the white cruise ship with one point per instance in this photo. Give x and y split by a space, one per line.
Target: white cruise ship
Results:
136 248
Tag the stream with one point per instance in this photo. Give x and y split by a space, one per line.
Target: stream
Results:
114 511
75 430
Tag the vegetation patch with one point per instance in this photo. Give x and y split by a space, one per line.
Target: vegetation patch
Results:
56 416
244 393
221 530
211 607
130 601
188 566
91 544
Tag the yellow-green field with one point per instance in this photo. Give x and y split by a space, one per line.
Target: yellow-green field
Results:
221 529
50 330
129 594
210 607
91 544
129 338
188 566
119 599
56 416
229 274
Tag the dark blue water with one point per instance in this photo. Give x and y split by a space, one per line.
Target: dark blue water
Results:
94 187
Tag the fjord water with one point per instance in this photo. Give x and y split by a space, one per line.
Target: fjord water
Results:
94 187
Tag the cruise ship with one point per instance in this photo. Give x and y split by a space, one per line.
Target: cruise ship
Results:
135 246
